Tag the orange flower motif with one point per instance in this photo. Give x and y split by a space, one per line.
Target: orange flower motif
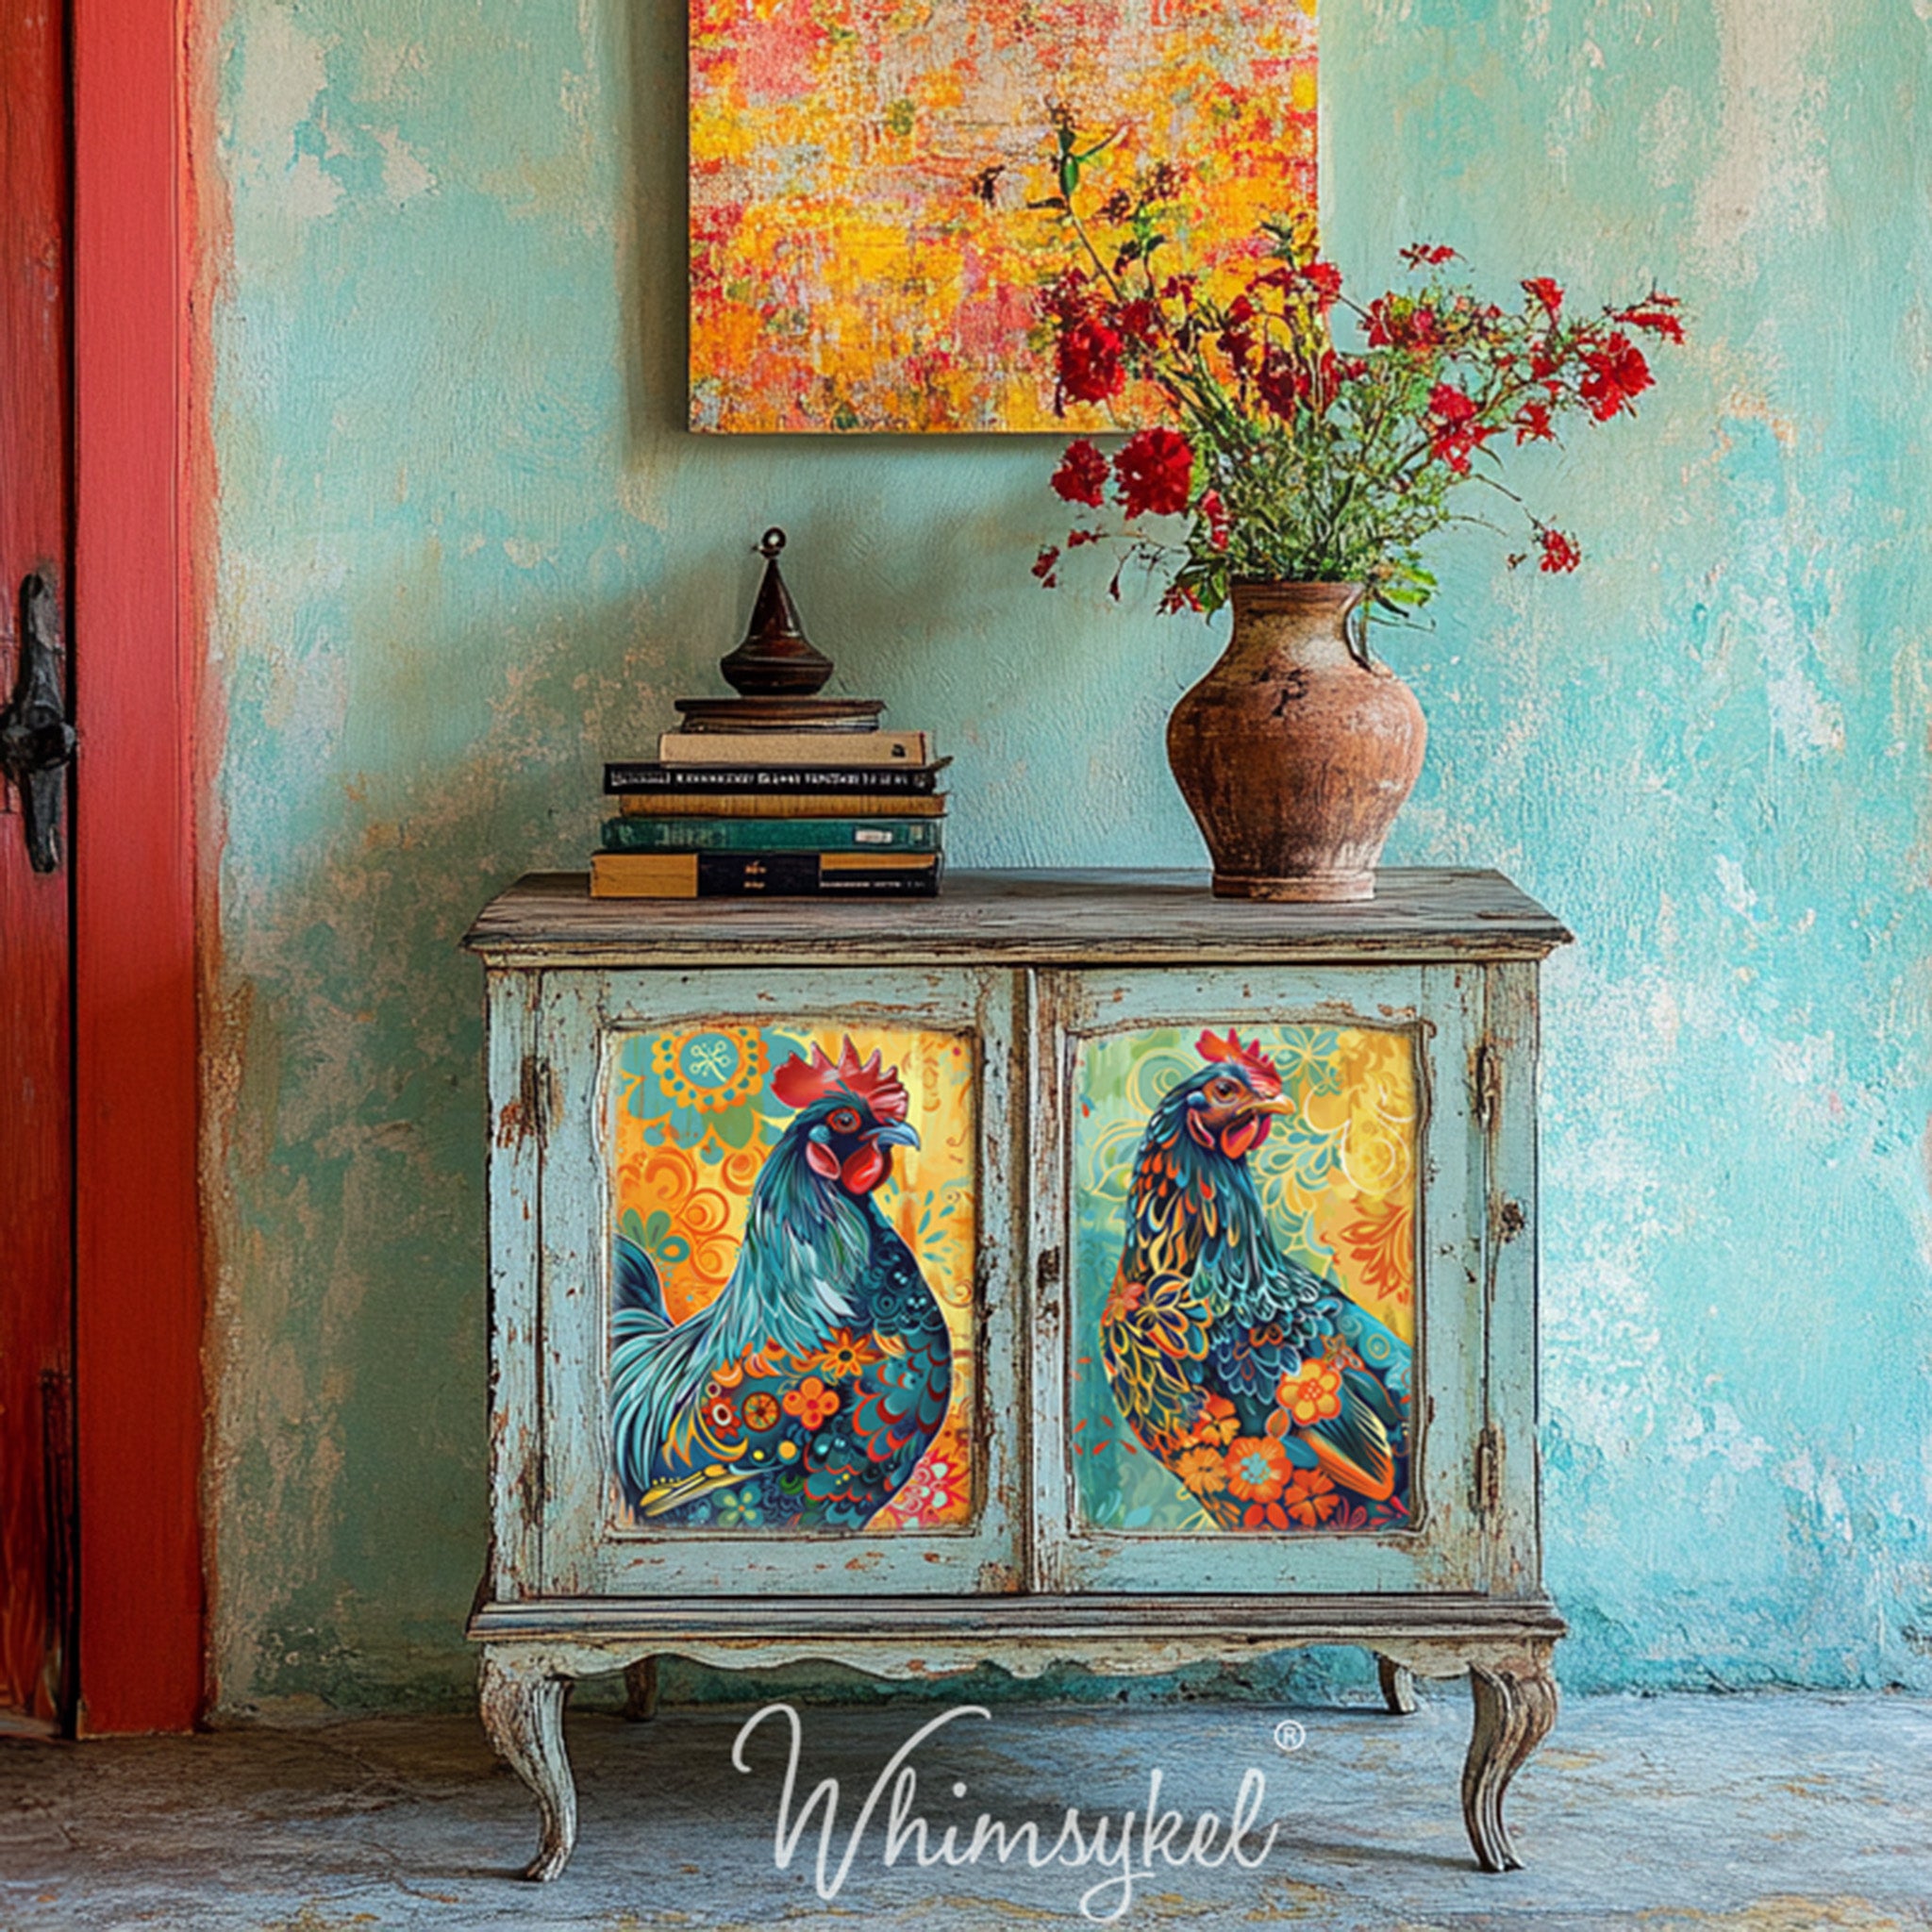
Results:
761 1411
1202 1472
1257 1469
1311 1497
1264 1516
845 1355
811 1402
1218 1425
1313 1393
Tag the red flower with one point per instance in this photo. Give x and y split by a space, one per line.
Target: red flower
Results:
1215 512
1281 383
1237 341
1138 321
1454 435
1656 319
1082 474
1043 563
1427 255
1065 298
1156 473
1533 424
1559 552
1393 324
1178 597
1090 361
1548 293
1325 279
1617 376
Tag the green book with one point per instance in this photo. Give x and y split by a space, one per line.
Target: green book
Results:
770 835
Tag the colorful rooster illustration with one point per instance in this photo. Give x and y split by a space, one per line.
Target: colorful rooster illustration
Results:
1276 1400
804 1395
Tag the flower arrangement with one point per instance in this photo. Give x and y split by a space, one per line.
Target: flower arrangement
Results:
1295 457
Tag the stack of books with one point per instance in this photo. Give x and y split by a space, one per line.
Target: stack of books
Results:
829 811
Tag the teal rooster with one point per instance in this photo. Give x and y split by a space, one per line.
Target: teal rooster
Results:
1276 1401
804 1396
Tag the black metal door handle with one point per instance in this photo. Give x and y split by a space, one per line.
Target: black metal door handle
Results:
36 740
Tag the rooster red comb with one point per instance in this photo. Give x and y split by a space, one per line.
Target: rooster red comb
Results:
1256 1064
799 1083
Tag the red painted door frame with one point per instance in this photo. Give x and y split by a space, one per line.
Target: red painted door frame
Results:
37 1553
138 1262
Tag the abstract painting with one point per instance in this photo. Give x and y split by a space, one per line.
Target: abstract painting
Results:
862 255
792 1336
1244 1279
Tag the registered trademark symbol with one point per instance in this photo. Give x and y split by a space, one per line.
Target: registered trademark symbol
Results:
1290 1735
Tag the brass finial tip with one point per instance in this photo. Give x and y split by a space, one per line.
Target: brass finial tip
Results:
771 542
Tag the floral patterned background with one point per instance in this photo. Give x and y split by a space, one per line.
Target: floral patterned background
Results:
692 1119
1337 1178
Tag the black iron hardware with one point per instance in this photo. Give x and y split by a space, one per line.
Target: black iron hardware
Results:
36 740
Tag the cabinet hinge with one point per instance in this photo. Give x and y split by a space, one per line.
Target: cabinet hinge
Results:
1486 1078
1489 1470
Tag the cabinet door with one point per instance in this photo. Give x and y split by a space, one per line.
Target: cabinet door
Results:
1258 1241
778 1282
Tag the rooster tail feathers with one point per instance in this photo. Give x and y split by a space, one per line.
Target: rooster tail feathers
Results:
1388 1411
657 1375
1353 1448
635 1287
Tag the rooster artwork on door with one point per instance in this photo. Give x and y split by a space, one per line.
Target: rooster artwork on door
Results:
1246 1268
792 1342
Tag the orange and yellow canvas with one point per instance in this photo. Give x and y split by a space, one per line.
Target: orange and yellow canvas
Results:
862 255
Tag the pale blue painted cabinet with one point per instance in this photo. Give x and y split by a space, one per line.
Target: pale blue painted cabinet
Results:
1075 1268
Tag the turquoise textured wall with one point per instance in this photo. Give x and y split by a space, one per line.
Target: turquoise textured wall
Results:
466 552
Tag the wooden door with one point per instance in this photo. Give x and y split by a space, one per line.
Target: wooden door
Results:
37 1461
1261 1225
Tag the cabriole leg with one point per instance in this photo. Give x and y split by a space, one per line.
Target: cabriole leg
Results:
640 1690
1515 1706
523 1714
1398 1685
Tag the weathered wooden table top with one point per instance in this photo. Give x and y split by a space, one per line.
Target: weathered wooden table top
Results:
1021 918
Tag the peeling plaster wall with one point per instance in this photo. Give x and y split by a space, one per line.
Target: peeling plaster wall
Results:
466 552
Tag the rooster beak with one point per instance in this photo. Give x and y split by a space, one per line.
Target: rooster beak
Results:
1282 1103
895 1134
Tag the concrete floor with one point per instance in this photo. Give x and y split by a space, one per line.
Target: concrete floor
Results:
1776 1813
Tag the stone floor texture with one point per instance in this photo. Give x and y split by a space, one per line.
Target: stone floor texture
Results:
1772 1813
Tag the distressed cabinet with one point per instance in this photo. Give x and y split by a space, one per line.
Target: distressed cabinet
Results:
1075 1268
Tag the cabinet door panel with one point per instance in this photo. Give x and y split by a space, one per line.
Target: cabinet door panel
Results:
1265 1271
778 1282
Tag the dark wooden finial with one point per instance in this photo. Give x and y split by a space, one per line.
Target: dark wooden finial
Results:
776 659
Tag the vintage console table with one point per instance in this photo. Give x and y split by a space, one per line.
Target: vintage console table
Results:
1085 1061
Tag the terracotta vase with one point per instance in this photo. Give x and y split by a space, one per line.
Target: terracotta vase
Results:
1294 753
